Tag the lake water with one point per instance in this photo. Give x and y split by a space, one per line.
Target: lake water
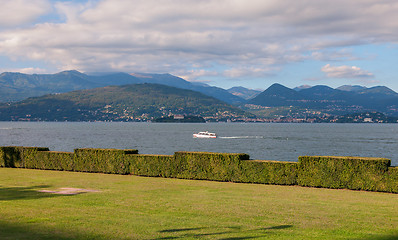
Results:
273 141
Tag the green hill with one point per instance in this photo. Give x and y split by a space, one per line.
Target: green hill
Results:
18 86
137 102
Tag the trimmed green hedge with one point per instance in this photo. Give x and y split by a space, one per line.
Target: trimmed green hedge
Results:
269 172
29 154
16 156
9 156
102 160
46 160
343 172
391 180
371 174
151 165
209 166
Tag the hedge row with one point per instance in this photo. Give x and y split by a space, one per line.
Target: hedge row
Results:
233 167
151 165
372 174
102 160
82 160
391 180
62 161
209 166
269 172
8 156
17 156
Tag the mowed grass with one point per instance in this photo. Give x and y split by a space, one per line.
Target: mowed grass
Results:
131 207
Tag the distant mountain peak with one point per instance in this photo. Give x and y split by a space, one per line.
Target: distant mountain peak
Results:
302 87
71 72
243 92
320 89
13 73
278 87
141 75
68 73
351 88
379 90
276 95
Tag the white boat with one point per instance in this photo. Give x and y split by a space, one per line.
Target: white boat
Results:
204 135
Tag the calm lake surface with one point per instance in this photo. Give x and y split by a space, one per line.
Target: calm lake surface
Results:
273 141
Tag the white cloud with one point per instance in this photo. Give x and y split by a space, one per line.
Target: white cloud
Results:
174 35
16 12
247 72
29 70
194 74
345 72
32 70
334 55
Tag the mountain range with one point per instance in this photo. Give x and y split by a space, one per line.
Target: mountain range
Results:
18 86
335 101
133 102
346 99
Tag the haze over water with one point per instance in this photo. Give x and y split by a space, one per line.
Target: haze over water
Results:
282 142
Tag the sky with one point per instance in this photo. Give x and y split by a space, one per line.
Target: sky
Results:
224 43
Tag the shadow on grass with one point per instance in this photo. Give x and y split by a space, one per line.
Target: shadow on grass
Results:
182 233
34 232
20 193
380 237
9 231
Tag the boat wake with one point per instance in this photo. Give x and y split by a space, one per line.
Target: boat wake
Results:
242 137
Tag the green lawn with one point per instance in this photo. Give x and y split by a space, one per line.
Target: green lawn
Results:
131 207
